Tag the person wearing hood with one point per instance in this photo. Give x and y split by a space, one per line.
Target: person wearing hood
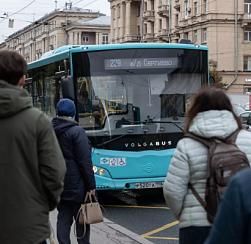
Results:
32 167
210 116
79 174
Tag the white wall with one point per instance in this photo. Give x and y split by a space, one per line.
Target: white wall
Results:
241 99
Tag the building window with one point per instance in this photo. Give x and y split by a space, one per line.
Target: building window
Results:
119 32
138 29
152 27
114 13
145 28
186 35
247 8
247 34
177 20
205 35
105 39
160 24
160 3
86 38
152 5
139 10
195 8
205 6
196 37
114 33
119 12
145 6
186 10
247 63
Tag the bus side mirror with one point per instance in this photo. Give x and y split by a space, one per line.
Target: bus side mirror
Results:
67 87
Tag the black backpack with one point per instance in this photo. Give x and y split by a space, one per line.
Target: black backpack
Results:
224 160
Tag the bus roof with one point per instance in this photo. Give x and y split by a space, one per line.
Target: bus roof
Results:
64 51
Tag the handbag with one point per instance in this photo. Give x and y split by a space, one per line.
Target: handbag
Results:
89 213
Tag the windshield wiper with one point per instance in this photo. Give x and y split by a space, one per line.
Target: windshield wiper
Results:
114 139
161 122
170 122
136 122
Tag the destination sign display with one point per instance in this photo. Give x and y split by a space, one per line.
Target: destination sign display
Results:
141 63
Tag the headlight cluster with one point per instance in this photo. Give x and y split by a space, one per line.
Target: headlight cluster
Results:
95 169
100 172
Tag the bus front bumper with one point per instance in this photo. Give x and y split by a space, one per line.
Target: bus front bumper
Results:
104 183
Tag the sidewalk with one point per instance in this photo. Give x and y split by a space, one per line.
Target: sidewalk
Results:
105 233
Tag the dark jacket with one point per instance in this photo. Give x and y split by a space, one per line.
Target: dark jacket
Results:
233 220
77 153
32 169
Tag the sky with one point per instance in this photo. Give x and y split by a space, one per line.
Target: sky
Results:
37 9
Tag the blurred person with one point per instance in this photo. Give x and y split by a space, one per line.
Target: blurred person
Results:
83 102
79 175
232 223
32 167
210 116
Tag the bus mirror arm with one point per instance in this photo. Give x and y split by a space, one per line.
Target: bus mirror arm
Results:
60 74
66 67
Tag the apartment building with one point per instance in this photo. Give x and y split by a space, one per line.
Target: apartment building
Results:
72 26
204 22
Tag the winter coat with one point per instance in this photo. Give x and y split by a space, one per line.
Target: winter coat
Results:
232 223
32 169
189 164
77 153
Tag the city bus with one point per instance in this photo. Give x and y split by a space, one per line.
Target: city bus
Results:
131 100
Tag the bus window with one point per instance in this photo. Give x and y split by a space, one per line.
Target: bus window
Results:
45 89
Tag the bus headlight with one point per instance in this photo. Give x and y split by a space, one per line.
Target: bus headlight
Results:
101 171
95 169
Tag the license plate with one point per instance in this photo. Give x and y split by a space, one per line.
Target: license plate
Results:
144 185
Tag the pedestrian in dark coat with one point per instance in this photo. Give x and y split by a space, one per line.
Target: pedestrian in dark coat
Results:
79 175
232 223
32 167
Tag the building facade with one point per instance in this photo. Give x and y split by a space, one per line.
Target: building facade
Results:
204 22
61 27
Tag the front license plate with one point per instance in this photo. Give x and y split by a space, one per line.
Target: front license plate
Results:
145 185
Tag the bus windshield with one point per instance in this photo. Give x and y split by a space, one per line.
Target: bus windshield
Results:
137 91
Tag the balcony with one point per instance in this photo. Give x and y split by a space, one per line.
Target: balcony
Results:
148 37
149 15
163 33
247 18
45 34
175 36
177 5
176 29
163 10
20 44
131 38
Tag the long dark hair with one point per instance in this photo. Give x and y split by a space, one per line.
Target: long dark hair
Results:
210 98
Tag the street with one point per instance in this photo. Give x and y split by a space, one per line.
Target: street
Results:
143 212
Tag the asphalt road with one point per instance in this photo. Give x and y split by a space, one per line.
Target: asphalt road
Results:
143 212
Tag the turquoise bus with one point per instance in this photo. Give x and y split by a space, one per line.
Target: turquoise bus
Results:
131 99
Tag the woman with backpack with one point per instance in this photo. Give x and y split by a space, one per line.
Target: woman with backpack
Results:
210 116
